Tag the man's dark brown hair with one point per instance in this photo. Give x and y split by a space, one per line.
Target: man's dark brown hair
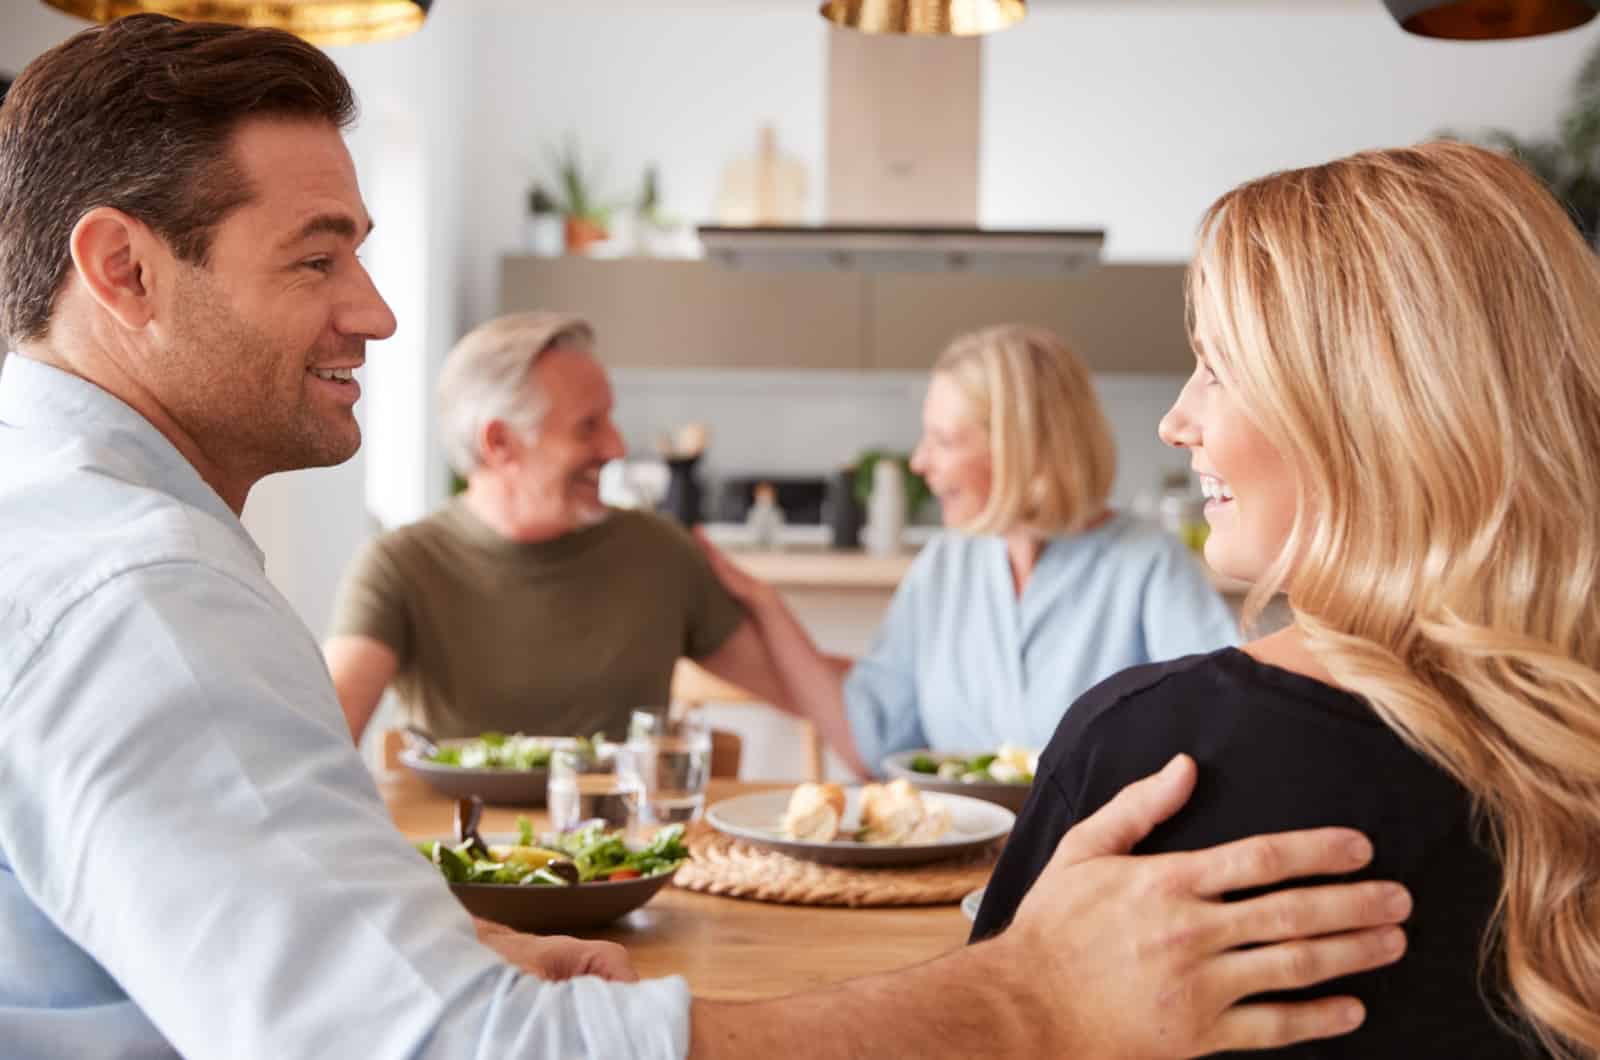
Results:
137 115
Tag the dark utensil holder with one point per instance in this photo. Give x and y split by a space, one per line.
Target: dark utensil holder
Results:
844 515
683 499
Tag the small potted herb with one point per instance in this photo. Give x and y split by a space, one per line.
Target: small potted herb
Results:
586 215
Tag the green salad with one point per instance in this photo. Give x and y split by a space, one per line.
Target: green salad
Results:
592 854
498 750
1008 765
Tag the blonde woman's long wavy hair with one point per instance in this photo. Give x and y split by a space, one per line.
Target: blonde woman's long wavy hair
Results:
1418 332
1052 456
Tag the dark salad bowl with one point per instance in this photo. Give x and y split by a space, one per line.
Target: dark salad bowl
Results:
595 878
564 909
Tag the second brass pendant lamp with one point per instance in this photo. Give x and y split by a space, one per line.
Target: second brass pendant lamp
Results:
929 18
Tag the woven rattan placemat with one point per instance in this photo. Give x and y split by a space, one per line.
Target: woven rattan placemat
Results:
727 866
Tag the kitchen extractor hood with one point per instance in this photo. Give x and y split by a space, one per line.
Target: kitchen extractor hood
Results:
901 155
872 248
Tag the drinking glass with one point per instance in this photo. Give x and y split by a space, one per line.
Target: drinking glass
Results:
584 787
671 752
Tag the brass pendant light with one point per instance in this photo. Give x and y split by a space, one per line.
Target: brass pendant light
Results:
935 18
1490 19
324 22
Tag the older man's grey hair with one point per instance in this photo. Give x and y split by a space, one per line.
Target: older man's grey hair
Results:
489 376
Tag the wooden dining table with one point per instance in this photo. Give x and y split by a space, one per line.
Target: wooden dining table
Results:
727 948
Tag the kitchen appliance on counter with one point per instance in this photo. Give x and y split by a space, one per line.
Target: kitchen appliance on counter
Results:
799 497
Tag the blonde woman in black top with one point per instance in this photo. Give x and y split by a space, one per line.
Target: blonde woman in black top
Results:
1396 415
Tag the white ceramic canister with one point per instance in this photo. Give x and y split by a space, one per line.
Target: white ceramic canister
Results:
886 509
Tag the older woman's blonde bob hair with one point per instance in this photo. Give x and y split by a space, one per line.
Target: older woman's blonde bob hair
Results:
1417 333
1053 458
488 376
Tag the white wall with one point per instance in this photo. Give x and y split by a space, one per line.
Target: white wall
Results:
1126 115
683 86
27 28
1136 116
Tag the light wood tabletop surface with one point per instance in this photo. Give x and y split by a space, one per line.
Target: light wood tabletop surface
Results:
727 948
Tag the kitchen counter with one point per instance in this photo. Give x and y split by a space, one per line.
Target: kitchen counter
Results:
824 568
816 567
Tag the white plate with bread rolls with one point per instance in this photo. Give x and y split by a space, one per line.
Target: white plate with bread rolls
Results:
874 824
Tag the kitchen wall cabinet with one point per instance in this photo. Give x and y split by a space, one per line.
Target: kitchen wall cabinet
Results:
1119 318
655 314
692 314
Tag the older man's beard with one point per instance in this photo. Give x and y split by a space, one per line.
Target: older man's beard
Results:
587 514
592 514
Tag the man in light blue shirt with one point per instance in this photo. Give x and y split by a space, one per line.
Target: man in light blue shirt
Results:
193 859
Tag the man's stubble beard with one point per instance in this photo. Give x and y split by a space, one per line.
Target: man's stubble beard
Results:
235 404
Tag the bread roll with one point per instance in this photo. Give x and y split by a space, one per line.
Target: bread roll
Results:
895 814
814 813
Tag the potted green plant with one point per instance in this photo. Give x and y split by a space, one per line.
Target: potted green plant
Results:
659 234
1570 161
577 198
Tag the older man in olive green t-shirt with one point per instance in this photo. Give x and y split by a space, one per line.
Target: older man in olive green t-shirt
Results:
526 604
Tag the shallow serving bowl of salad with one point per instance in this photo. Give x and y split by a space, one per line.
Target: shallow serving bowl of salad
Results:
1002 776
557 882
500 768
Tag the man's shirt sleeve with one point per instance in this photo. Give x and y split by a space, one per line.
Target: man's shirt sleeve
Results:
184 804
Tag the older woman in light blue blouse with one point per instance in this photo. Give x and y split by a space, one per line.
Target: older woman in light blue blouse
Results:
1038 590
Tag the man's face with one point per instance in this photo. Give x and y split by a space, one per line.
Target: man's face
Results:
557 472
257 346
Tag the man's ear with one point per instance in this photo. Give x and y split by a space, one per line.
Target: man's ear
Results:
497 443
111 253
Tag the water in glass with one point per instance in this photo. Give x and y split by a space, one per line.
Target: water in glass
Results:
675 773
579 792
673 758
